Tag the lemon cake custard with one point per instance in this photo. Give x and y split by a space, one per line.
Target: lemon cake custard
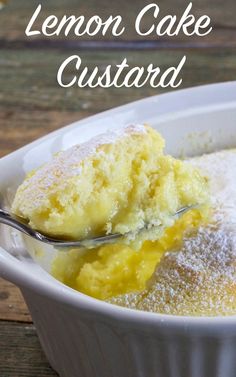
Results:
199 277
116 182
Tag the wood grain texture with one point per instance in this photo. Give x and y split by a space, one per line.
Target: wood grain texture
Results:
21 126
20 352
12 305
32 103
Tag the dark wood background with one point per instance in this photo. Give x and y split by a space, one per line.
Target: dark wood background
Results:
32 104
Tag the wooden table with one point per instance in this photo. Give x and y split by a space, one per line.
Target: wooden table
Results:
32 104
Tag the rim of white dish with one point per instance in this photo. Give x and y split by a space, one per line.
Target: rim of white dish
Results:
52 288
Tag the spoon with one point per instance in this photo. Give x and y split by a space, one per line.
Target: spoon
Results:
21 224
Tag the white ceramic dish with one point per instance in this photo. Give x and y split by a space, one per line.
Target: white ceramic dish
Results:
84 337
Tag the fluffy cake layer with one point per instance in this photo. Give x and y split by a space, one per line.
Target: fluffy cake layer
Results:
199 278
160 185
116 182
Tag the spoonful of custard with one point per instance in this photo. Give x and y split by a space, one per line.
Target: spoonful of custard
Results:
116 187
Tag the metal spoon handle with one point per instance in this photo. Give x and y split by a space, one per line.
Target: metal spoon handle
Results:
21 225
8 219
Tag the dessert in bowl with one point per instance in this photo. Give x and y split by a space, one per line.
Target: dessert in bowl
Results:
119 182
104 339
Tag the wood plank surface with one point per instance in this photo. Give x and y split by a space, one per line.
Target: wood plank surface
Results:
20 352
32 103
12 305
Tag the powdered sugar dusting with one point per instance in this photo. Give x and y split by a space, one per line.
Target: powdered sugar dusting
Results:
67 164
199 279
220 167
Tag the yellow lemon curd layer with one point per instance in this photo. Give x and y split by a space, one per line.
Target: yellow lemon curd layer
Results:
118 269
116 182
